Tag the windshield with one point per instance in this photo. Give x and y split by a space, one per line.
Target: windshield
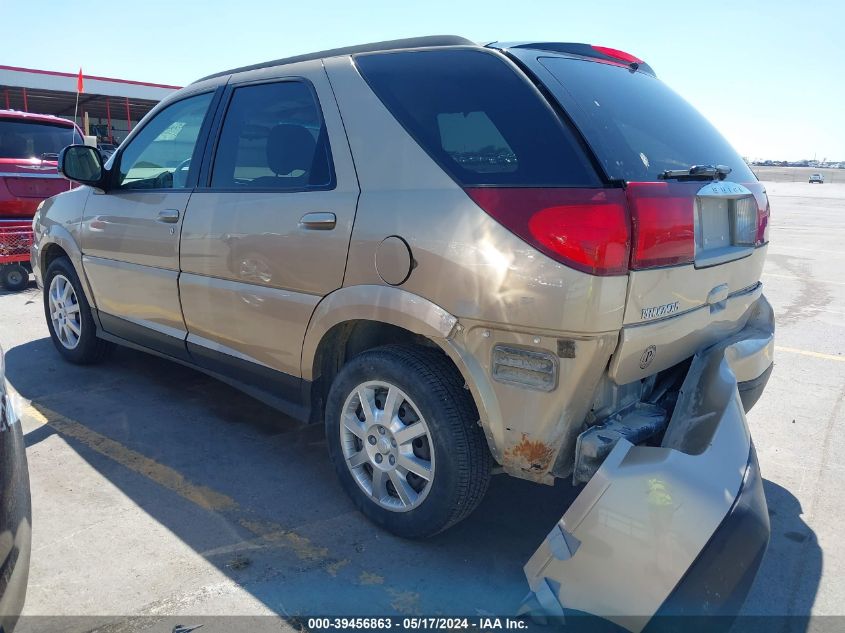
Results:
637 125
34 139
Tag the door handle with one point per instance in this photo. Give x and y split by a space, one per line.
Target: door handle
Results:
320 221
170 216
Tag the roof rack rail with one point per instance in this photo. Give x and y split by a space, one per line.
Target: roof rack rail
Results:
389 45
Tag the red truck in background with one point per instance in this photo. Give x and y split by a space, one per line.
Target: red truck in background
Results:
29 148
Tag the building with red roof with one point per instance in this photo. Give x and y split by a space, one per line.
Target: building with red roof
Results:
108 107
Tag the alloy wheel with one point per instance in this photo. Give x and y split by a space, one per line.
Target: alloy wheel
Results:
64 312
387 446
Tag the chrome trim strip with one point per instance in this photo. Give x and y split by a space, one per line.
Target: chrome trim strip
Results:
747 290
46 176
155 327
223 349
723 189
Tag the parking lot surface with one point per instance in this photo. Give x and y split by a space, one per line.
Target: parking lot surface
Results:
158 491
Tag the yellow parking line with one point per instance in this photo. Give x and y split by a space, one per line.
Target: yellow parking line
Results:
276 534
267 533
814 280
804 352
204 497
163 475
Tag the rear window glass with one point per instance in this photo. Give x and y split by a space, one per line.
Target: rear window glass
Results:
481 121
30 139
642 127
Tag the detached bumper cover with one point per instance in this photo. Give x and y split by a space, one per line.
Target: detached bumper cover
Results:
751 390
677 529
720 578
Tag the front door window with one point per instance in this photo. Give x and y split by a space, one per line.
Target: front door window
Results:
159 156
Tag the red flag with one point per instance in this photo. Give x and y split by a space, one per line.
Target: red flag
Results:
80 86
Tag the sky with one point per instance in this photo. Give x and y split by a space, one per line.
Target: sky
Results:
769 75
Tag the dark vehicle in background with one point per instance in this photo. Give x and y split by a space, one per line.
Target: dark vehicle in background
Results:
15 512
106 150
29 147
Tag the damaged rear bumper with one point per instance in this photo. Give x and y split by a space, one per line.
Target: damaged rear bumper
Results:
678 529
719 580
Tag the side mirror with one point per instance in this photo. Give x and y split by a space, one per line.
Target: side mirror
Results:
82 164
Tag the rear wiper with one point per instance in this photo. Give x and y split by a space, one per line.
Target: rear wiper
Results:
696 172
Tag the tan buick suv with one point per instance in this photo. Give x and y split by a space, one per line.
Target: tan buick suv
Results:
531 256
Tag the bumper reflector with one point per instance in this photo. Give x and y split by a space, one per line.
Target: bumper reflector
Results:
534 369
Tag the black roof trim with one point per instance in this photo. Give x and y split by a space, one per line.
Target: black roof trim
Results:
388 45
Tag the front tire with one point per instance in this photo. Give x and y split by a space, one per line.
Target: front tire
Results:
404 438
69 317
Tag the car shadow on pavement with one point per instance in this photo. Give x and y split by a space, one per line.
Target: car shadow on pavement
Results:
254 494
785 589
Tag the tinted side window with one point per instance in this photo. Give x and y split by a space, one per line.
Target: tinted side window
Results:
273 137
481 121
159 157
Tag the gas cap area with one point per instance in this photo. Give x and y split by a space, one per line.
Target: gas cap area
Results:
394 261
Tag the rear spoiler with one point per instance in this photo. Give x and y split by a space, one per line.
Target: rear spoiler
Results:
587 51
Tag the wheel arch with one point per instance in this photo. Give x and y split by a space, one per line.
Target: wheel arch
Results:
51 251
354 319
57 242
392 309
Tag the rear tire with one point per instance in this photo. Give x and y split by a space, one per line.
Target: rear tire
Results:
14 277
426 466
69 317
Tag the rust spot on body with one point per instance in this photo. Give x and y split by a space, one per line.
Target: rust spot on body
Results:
531 455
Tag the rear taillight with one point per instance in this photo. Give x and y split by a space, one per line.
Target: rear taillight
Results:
662 223
586 229
763 212
590 230
746 221
763 225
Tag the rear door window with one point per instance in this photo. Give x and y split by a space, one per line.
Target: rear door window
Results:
273 137
637 125
482 121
